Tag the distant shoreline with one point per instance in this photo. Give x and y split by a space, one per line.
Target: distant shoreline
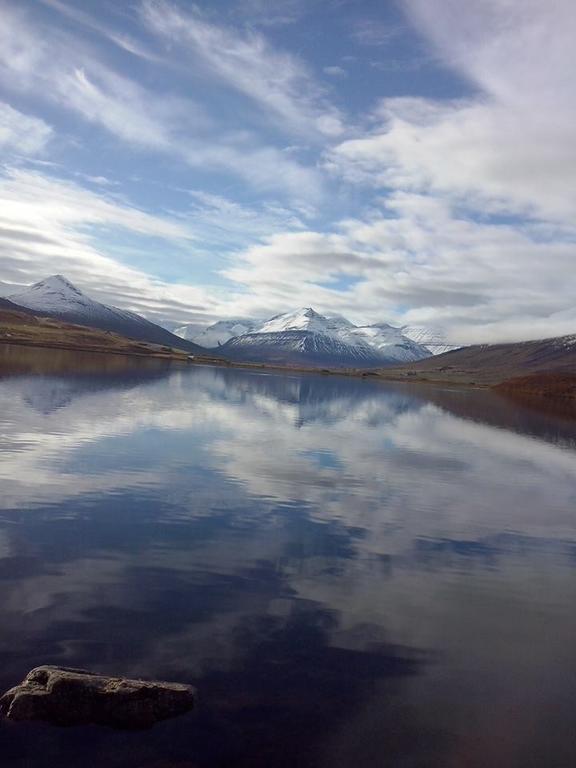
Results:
360 373
556 385
158 355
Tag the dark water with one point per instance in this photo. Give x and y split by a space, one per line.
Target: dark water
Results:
352 574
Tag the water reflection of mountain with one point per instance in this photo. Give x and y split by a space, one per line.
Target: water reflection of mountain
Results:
48 380
314 398
308 398
48 394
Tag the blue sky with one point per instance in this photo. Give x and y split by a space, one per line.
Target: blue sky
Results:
409 161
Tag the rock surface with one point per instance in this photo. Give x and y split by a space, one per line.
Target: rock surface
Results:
65 696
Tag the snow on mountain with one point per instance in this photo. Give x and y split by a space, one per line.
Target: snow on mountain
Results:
189 331
568 342
389 342
58 297
305 319
432 338
368 341
304 335
216 334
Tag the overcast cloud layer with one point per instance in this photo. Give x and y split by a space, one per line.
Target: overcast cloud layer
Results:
411 164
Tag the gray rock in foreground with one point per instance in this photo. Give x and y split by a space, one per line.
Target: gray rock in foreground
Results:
77 697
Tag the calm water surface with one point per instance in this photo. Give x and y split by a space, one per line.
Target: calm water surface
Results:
352 574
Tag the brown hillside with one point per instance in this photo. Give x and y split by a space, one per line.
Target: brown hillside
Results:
488 365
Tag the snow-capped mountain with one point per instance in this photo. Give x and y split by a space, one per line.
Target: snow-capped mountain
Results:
305 336
58 297
382 338
216 334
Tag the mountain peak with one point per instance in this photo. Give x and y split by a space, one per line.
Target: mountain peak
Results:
54 295
55 283
301 319
308 312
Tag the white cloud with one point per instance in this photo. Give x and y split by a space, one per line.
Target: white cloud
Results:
227 223
507 160
22 133
123 41
372 32
287 269
271 13
278 82
518 51
335 71
512 144
53 66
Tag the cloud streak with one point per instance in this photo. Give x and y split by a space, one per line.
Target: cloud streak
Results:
278 82
510 146
22 133
75 78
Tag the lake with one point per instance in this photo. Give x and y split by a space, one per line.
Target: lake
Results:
352 573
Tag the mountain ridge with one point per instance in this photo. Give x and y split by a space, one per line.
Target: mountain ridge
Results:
339 342
57 297
304 336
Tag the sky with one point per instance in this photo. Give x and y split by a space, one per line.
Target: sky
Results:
402 161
